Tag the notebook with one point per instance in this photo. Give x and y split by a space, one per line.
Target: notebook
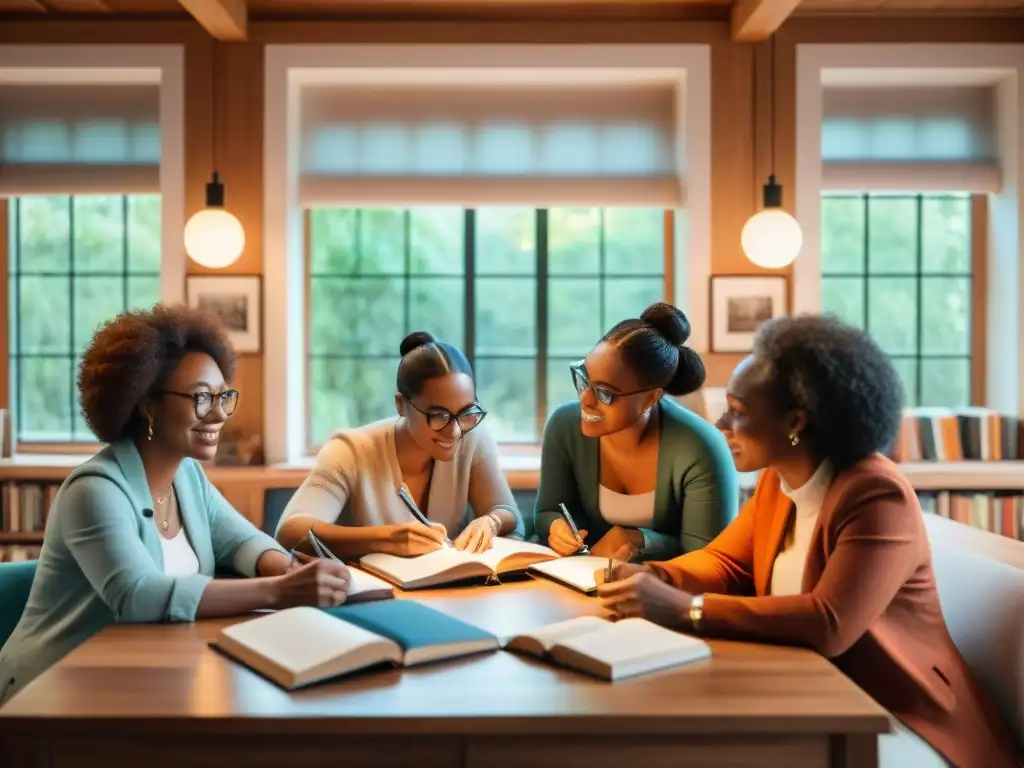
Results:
364 587
611 650
444 566
300 646
576 571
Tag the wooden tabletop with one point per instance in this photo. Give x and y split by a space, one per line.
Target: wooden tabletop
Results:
167 676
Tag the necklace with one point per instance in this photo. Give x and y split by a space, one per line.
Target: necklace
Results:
165 523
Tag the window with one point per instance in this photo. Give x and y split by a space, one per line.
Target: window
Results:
900 266
523 292
75 262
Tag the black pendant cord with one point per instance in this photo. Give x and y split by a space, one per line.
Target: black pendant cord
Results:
214 189
772 190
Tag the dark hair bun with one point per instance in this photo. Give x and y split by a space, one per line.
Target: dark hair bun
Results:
415 340
669 321
689 375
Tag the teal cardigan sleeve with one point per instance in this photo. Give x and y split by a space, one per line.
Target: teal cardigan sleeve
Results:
708 483
561 462
101 529
237 543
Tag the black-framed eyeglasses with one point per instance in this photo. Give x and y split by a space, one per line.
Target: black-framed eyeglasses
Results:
203 401
467 419
581 381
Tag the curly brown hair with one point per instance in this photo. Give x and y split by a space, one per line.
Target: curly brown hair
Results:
132 354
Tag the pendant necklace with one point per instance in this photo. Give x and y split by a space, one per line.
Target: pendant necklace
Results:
164 523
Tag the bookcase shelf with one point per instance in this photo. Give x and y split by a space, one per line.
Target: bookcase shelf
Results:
950 476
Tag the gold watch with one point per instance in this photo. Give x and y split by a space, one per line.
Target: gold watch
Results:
697 611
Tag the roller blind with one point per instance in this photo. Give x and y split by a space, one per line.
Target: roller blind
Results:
924 138
79 139
542 145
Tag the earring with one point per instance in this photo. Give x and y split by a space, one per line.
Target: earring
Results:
794 439
149 430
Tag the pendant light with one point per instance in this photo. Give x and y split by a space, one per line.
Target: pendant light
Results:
213 236
771 238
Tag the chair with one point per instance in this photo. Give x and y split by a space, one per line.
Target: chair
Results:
15 585
274 502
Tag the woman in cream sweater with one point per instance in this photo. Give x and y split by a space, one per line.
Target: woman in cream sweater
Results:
434 449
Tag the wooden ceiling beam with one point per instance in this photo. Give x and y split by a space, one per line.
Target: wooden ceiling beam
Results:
756 20
223 19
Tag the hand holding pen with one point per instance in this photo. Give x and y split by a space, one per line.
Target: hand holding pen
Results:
433 531
565 538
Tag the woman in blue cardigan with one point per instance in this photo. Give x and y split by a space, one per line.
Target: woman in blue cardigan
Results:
633 467
136 532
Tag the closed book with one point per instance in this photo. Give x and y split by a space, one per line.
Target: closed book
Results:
611 650
297 647
450 565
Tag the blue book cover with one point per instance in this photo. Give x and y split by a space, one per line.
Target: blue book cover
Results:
423 633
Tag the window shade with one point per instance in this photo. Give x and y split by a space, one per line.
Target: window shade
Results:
79 139
925 138
536 145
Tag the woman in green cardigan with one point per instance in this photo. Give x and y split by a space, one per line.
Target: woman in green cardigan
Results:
631 466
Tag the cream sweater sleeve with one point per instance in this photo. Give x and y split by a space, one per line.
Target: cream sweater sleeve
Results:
325 491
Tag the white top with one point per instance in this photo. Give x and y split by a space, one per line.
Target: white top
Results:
627 510
788 571
356 479
179 557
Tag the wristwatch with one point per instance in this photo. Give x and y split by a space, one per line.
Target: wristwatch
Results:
697 611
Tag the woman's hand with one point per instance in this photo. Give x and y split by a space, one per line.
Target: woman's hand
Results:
478 535
616 539
321 583
411 539
644 595
561 540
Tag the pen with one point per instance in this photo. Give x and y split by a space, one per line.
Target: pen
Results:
405 497
572 526
609 571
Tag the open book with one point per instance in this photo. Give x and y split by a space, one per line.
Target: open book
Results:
300 646
576 571
611 650
364 587
444 566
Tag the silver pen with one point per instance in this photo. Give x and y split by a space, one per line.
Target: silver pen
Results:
405 497
583 550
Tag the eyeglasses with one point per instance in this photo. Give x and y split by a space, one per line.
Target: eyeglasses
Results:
438 419
203 401
581 381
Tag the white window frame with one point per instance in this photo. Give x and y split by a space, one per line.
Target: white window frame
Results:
288 66
162 65
998 64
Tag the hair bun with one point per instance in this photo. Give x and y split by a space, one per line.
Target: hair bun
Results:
689 375
669 321
415 340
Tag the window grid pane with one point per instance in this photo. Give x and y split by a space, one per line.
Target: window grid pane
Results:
76 262
522 291
900 267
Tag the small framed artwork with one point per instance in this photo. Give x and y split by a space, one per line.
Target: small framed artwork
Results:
235 299
739 304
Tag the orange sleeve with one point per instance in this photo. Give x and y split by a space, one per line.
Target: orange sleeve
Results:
725 564
878 540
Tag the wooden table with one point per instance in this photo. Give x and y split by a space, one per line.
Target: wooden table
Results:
157 696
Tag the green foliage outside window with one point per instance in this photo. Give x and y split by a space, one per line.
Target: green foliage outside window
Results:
524 292
75 263
900 267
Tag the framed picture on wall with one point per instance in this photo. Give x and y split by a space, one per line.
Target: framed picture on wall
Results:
235 299
739 304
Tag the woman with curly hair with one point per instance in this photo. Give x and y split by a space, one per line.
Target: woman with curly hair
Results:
136 532
831 552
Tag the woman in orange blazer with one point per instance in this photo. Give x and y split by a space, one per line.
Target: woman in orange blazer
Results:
831 552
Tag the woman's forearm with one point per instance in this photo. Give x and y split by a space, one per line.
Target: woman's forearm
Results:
508 519
346 542
232 597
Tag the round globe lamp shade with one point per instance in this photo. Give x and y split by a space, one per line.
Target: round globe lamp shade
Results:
214 238
772 238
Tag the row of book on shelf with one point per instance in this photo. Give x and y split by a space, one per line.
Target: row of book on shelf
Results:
24 509
958 434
